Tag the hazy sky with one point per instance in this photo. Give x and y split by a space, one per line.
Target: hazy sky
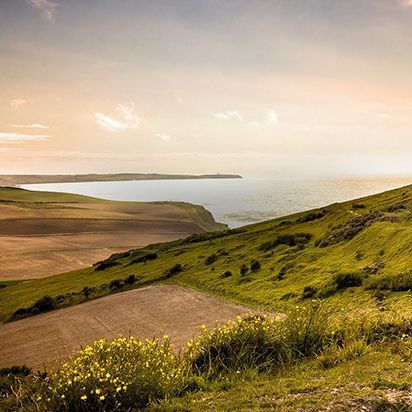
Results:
253 87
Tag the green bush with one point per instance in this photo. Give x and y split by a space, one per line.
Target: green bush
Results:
244 270
258 342
312 216
255 266
211 259
347 280
226 274
292 239
174 270
395 283
308 292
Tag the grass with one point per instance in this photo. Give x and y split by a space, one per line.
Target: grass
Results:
290 265
307 360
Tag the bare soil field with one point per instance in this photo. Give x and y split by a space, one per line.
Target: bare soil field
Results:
44 233
154 311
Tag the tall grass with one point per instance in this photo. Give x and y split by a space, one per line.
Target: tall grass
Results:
258 342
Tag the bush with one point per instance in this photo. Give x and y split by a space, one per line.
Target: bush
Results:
144 258
118 375
396 207
174 270
116 284
395 283
105 264
226 274
347 280
86 292
255 266
131 279
244 270
282 273
358 206
308 292
211 259
44 304
288 240
350 229
312 216
256 342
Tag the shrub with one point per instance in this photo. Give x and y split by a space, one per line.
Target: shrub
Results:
144 258
262 343
44 304
118 375
174 270
131 279
244 270
312 216
395 283
211 259
86 292
116 284
358 206
255 266
396 207
226 274
288 240
282 273
350 229
105 264
346 280
308 292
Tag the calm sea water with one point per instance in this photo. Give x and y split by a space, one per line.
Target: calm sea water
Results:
236 202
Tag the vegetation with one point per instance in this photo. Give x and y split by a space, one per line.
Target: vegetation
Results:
375 246
266 351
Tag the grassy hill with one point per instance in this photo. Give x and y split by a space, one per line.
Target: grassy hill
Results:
341 273
355 253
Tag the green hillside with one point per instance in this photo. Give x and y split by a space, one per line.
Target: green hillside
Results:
352 255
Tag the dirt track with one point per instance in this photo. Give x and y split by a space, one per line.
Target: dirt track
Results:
177 311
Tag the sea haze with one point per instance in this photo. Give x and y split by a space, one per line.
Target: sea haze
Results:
236 202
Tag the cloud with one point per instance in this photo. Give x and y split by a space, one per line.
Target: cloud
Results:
48 8
164 137
229 115
272 117
16 103
21 137
128 119
31 126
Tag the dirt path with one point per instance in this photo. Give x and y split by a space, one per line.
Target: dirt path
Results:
177 311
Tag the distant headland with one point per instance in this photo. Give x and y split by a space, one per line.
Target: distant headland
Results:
11 180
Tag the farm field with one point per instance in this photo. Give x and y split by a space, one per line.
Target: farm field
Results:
153 311
58 232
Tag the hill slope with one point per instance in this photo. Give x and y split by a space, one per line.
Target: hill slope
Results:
57 232
306 255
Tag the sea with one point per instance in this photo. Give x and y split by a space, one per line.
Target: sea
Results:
236 202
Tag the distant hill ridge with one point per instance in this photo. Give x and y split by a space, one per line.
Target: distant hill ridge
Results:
10 180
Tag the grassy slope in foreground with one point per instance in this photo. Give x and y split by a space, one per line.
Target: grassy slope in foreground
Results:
58 232
31 179
369 238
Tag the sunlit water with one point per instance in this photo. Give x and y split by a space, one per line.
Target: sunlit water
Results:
236 202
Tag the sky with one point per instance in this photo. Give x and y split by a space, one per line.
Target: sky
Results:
262 88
